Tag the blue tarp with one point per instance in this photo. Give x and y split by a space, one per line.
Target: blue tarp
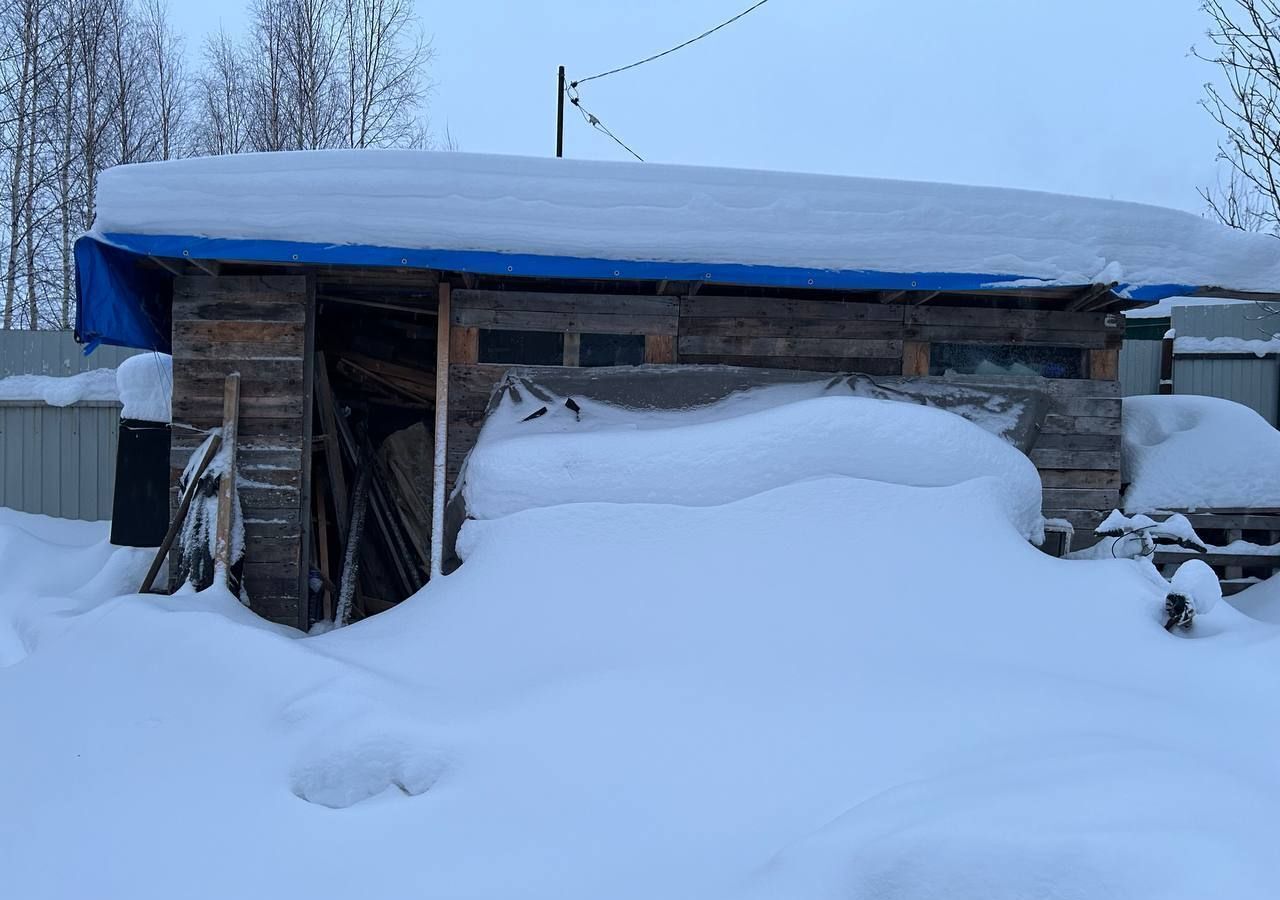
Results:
118 302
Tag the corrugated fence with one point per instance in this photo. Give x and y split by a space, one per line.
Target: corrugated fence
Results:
59 461
1251 380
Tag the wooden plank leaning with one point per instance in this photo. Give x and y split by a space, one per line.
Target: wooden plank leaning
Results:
227 488
180 516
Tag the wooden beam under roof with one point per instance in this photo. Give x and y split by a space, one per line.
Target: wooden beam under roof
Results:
1095 295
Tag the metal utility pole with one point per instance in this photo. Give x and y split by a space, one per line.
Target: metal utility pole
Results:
560 114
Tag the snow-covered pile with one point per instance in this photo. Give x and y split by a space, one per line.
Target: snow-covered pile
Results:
828 687
62 390
145 384
745 445
1190 452
626 212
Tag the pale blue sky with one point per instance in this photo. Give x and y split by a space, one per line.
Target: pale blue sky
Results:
1093 97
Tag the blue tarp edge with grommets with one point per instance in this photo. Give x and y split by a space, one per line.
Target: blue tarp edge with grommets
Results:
119 302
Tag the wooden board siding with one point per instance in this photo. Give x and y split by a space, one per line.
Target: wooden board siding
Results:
263 328
819 335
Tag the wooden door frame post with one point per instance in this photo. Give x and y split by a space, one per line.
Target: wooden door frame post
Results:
441 433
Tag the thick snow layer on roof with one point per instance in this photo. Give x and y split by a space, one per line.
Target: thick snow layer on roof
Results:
749 443
646 212
1189 452
62 390
838 688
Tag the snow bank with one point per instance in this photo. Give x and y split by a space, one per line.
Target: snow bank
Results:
145 384
807 693
1189 452
731 450
626 212
1260 601
61 390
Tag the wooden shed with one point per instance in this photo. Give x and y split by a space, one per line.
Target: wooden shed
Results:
395 290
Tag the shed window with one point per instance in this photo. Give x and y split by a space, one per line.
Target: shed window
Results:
1006 359
611 350
526 348
547 348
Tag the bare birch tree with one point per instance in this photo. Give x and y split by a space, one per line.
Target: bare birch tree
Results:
221 98
1244 45
167 81
387 84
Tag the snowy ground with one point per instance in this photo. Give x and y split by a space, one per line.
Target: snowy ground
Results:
815 689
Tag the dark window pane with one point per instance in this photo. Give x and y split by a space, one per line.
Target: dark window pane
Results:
529 348
1006 359
611 350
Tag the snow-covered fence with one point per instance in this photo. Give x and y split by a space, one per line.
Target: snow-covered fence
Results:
56 460
1220 350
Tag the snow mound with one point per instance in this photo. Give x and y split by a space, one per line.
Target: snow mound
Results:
1260 601
145 384
1189 452
62 390
1198 583
805 693
721 453
623 212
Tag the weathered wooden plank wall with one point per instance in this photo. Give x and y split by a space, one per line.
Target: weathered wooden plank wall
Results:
263 328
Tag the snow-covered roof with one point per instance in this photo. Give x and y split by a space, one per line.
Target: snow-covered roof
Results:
605 220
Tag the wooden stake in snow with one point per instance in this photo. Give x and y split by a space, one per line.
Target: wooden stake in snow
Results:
442 430
223 548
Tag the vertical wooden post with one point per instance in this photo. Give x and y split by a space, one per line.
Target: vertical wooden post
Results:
560 113
227 488
572 349
442 431
1166 366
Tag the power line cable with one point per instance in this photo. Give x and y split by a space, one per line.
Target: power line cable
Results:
692 40
594 121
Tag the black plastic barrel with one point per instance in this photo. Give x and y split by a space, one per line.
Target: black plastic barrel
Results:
140 510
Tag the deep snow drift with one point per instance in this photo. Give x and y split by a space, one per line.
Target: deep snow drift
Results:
420 200
829 687
1190 452
753 441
